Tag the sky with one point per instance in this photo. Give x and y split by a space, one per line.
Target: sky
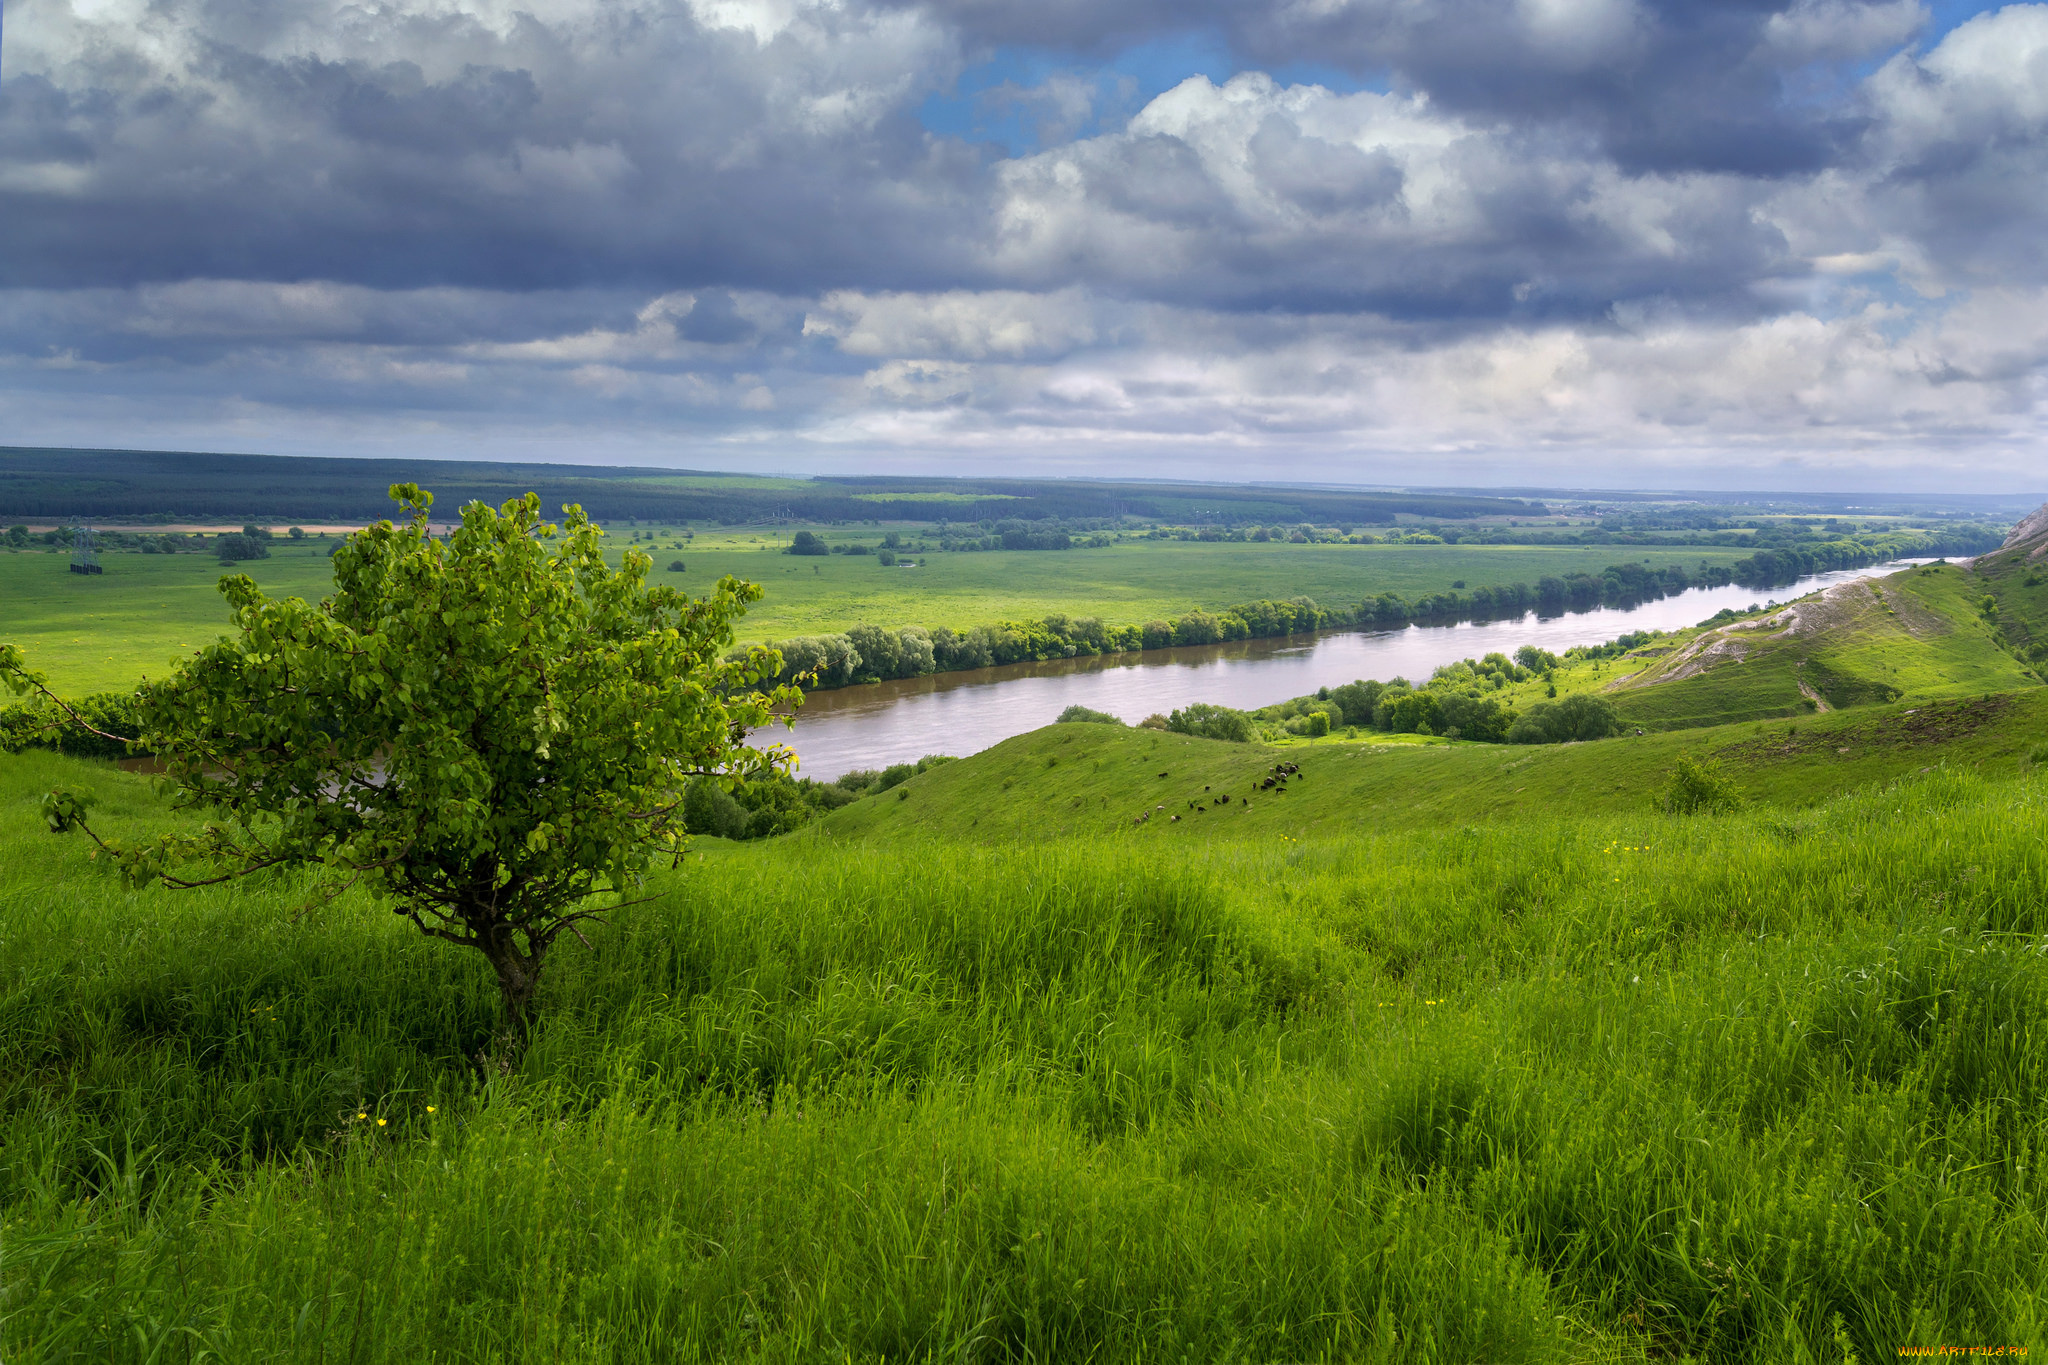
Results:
1591 243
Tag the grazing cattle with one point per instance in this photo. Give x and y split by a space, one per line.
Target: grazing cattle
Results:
1223 800
1176 817
1162 774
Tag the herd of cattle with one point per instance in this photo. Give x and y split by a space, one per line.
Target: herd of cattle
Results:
1273 780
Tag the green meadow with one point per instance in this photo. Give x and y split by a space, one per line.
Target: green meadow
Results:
103 633
1586 1083
1134 581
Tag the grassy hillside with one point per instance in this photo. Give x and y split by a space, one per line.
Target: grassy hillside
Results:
2016 580
1089 780
1573 1087
1918 634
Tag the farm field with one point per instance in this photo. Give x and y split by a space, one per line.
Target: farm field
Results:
1131 582
1573 1083
105 632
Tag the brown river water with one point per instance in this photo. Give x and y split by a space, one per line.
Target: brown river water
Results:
962 713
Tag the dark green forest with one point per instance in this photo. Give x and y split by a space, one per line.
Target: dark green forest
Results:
126 484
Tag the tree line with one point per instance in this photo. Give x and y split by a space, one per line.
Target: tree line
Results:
62 484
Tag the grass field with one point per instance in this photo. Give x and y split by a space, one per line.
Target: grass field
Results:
1585 1084
102 633
1134 581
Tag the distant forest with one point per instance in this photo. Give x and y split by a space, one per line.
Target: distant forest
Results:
37 483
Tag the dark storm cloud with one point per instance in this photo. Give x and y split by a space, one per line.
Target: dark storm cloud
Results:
1602 224
612 145
640 146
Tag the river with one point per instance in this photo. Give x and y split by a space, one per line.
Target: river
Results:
961 713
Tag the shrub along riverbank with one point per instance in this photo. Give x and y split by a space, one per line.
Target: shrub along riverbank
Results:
868 653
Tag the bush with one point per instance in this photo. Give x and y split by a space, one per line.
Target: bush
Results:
1699 784
675 566
1577 717
1081 715
880 650
1212 722
886 558
1155 721
804 543
40 725
709 808
1310 724
868 782
1197 628
239 545
1356 701
1476 718
831 660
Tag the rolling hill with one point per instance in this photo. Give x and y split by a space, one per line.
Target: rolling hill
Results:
1920 634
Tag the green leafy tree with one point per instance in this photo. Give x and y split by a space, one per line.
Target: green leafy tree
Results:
1212 722
1699 784
488 731
238 545
1580 716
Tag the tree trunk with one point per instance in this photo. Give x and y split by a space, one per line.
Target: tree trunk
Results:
518 979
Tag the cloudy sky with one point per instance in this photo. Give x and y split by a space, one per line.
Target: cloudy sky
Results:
1625 243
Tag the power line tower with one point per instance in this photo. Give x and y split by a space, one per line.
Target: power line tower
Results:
84 556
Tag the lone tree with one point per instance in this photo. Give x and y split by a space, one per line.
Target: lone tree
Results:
486 731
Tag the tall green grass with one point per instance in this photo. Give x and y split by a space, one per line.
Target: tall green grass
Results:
1749 1087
